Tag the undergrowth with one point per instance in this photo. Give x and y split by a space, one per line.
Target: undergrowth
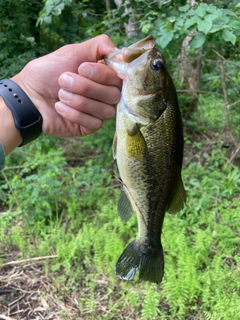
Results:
55 203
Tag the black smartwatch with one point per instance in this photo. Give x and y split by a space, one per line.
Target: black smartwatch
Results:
27 118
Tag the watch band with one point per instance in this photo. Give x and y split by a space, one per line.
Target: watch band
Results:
27 118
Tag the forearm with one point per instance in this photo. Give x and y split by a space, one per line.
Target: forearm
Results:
10 137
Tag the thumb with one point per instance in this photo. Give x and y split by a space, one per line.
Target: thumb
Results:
91 50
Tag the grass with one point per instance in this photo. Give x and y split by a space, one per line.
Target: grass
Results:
59 205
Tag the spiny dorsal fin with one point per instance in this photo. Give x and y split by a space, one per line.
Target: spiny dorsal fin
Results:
179 199
125 209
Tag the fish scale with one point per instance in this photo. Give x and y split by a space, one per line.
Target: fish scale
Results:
148 147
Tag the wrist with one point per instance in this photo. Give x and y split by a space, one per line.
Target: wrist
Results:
10 136
27 119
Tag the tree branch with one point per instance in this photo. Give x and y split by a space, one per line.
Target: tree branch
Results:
10 263
228 131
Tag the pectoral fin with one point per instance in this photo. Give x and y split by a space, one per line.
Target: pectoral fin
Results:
179 199
114 146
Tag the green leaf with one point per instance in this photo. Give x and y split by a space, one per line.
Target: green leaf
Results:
169 23
179 22
191 12
229 12
190 22
198 41
146 28
214 10
235 24
228 36
121 10
219 24
213 16
202 9
159 24
165 38
47 19
204 26
184 8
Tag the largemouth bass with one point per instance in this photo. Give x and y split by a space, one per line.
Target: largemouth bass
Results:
148 147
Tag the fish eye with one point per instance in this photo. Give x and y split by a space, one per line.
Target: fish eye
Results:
156 64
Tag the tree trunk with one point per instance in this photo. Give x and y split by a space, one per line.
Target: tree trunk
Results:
190 72
190 76
131 27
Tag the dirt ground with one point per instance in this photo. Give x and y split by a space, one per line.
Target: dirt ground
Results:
26 293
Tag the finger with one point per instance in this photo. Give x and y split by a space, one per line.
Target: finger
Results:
79 85
100 73
91 50
85 120
84 104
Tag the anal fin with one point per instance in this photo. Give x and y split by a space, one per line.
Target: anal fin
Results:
179 198
125 209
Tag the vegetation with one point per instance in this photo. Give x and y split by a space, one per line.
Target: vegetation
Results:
60 235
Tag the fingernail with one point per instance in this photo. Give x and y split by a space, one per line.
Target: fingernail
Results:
86 70
66 81
65 95
61 107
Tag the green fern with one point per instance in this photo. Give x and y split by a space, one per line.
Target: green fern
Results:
150 308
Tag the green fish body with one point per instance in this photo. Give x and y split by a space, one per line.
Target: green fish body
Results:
148 147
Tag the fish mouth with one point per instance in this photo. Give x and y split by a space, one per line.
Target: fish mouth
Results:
119 59
137 49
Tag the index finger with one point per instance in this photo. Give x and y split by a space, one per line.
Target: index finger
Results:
100 73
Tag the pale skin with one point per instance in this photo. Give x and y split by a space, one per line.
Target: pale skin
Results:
72 90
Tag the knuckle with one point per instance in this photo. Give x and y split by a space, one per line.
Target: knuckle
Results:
109 112
64 50
103 38
96 125
84 87
79 102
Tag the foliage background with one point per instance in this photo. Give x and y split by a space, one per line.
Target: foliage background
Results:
58 197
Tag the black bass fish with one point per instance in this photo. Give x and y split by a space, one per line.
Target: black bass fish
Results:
148 147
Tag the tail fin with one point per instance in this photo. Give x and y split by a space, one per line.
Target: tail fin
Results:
133 257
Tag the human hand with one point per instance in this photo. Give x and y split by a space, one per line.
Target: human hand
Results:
72 91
